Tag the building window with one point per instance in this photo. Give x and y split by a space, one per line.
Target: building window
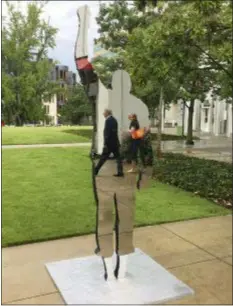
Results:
47 109
74 78
57 73
60 97
61 74
206 115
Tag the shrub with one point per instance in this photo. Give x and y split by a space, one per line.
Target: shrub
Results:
166 137
207 178
126 146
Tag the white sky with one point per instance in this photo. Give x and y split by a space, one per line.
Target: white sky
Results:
63 16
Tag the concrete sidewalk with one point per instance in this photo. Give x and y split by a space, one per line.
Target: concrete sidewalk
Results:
215 148
198 252
222 154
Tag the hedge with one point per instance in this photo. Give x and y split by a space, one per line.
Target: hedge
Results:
148 151
149 137
170 137
207 178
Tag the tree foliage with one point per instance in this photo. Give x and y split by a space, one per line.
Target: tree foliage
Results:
117 22
77 105
185 47
182 42
145 5
105 67
26 68
149 69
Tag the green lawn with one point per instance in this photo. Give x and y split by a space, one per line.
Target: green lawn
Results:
43 135
47 194
61 134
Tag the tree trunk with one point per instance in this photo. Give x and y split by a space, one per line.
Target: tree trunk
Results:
183 113
152 116
159 135
152 121
18 121
189 139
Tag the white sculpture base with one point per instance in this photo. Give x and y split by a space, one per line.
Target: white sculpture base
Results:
81 281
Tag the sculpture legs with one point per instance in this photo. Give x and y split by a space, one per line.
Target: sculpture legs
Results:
123 266
115 214
110 268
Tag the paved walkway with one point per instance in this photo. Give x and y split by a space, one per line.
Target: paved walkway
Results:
198 252
215 148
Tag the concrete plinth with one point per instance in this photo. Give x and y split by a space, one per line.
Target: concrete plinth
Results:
81 281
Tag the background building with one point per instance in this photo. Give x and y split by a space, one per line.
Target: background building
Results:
62 75
213 116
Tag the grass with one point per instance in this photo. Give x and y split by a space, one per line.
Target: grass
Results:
47 194
56 135
45 135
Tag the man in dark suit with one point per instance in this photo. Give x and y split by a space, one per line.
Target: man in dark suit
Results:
111 144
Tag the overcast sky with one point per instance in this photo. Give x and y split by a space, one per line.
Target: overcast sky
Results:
63 16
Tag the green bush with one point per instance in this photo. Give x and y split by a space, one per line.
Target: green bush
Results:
207 178
126 149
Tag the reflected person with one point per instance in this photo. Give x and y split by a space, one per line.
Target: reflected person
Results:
137 142
111 144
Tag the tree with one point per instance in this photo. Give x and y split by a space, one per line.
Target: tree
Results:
167 49
142 5
152 75
218 42
77 105
25 65
192 51
149 69
105 67
180 48
116 22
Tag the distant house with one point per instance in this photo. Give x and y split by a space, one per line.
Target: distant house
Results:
213 116
53 105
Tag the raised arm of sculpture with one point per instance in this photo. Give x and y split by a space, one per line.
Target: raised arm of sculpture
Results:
89 80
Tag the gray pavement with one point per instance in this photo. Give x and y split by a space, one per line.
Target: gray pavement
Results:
198 252
219 149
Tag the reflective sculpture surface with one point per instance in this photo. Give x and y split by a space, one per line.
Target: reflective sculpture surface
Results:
132 276
115 197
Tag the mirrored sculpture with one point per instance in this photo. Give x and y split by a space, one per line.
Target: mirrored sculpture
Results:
121 195
118 273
